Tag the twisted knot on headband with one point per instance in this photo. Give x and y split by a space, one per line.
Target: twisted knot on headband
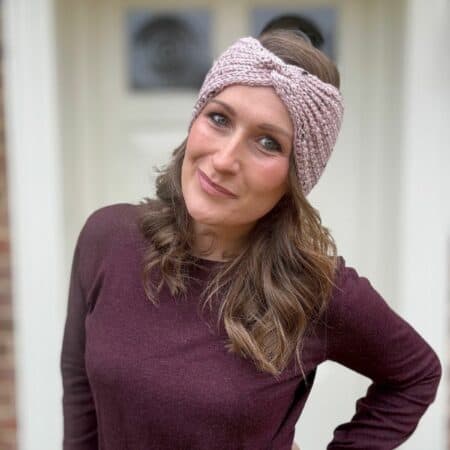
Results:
315 107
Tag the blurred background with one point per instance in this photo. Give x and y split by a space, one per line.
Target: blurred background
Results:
95 93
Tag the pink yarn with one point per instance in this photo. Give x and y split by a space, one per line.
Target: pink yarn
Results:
315 107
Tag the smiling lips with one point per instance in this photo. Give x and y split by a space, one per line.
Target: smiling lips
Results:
212 188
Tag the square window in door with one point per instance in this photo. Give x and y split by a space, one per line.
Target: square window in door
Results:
168 49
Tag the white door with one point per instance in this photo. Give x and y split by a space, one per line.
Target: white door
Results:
114 135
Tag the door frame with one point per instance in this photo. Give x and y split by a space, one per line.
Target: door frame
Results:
39 192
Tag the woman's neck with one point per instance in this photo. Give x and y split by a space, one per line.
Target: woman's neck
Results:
216 243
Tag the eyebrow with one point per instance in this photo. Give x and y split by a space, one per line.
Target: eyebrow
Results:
262 126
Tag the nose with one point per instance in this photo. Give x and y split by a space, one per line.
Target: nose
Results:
227 157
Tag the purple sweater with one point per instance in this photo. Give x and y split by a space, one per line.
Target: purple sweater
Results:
140 377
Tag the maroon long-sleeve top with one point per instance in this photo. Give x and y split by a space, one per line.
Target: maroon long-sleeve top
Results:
138 376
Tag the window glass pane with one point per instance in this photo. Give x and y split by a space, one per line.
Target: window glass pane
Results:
169 49
320 20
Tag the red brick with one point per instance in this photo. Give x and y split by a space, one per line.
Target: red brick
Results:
4 246
8 425
7 388
6 399
5 286
5 299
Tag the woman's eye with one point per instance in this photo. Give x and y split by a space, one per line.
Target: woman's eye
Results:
270 144
218 119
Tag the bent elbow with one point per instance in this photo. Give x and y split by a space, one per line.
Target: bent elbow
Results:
431 379
435 375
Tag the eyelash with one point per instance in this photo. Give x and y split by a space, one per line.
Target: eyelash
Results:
211 116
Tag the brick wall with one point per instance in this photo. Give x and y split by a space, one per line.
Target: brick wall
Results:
7 400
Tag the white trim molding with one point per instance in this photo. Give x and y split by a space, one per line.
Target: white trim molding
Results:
35 211
423 209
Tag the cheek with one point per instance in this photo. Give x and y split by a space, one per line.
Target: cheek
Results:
197 139
271 178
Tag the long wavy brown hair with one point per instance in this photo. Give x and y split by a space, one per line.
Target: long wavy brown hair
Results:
281 281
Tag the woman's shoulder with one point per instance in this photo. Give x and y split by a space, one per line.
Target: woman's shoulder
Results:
354 298
111 223
345 277
105 235
111 216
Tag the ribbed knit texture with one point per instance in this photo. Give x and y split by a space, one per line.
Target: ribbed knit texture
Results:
315 107
138 376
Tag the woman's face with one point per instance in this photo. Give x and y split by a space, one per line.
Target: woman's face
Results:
235 167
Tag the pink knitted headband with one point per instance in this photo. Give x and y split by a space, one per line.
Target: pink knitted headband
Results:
315 107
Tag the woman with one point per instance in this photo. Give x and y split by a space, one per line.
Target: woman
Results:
144 364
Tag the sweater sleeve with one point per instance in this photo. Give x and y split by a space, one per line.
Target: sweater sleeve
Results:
80 423
367 336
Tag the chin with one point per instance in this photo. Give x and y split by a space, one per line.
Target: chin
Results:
204 217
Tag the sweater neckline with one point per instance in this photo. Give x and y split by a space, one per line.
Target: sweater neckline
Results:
206 262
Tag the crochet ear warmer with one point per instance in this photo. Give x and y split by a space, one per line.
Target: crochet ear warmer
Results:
315 107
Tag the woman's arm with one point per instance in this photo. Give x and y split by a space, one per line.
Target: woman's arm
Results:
366 335
80 422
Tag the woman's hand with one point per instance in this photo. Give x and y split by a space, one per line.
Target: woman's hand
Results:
295 446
